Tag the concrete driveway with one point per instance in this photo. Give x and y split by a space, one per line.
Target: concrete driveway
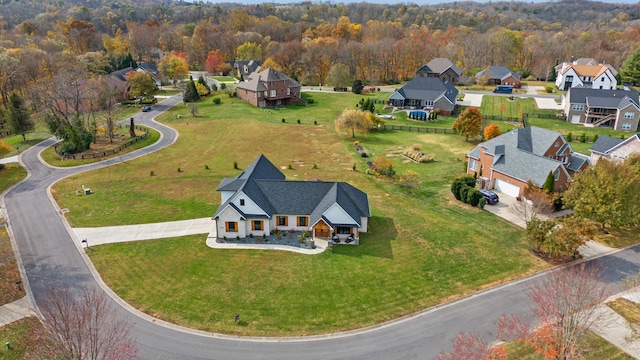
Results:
507 209
474 100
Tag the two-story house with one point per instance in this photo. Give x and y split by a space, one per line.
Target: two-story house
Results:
581 74
509 161
617 109
441 68
269 88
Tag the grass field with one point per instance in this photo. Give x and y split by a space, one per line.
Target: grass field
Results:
19 335
422 249
10 174
592 348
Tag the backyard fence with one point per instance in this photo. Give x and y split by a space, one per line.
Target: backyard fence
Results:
421 129
108 152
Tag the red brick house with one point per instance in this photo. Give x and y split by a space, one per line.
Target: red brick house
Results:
269 88
507 162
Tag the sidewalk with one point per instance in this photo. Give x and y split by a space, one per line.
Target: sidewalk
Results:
10 159
615 329
15 311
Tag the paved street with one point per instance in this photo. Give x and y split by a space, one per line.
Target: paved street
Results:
51 256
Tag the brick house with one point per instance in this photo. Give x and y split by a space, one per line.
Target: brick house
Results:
269 88
507 162
617 109
500 75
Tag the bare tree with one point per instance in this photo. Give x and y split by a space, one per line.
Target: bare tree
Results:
83 326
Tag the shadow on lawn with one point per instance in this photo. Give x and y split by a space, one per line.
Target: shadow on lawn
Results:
376 243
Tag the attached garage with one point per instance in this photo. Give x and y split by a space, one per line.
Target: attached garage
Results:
575 119
507 189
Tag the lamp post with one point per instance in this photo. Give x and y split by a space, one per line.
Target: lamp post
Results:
18 284
85 242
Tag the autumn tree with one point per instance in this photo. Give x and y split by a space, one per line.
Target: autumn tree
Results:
141 83
174 67
383 166
410 180
482 80
107 100
81 36
82 326
468 123
491 131
19 117
559 238
354 120
606 193
249 51
339 76
214 61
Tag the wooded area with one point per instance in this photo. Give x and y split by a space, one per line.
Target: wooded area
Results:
47 46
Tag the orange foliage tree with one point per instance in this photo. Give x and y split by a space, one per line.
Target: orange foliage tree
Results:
491 131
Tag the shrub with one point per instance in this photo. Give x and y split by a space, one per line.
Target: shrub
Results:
548 89
354 166
151 173
583 137
283 120
469 180
595 137
179 170
569 137
217 101
309 101
456 185
235 165
315 166
298 121
206 167
473 197
223 86
482 203
383 166
290 167
464 191
315 122
214 87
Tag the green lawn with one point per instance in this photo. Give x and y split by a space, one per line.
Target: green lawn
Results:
223 78
10 174
592 348
422 248
50 156
9 272
19 145
628 309
19 334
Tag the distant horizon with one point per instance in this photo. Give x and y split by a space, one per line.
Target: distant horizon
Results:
420 3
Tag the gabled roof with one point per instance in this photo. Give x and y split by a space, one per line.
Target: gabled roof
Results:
265 185
426 88
577 161
588 70
520 153
122 73
440 65
619 98
252 65
256 81
148 67
498 72
605 144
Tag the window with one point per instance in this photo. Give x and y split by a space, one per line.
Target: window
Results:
473 165
578 107
344 230
288 91
564 159
569 79
281 220
629 115
302 221
557 175
231 226
256 225
265 93
273 93
602 79
626 126
241 202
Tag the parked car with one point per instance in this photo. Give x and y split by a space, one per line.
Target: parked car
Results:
504 89
490 196
146 108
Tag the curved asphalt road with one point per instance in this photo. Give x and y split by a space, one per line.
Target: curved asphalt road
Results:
51 257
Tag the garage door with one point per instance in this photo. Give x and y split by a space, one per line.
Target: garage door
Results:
507 189
575 119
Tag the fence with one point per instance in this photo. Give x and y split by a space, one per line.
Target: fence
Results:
108 152
422 129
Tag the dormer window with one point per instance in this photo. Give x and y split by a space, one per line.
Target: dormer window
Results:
241 202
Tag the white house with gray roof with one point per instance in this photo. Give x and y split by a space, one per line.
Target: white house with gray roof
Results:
429 93
614 149
260 201
617 109
509 161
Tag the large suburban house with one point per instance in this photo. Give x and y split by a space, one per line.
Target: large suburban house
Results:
584 73
441 68
244 68
509 161
614 149
617 109
500 75
429 93
153 70
259 201
269 88
119 80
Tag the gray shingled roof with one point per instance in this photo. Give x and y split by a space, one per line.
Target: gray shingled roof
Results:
520 153
580 95
426 88
498 72
604 144
122 73
256 81
577 160
264 184
440 65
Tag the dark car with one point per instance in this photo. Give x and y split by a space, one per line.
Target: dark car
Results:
146 108
504 89
490 196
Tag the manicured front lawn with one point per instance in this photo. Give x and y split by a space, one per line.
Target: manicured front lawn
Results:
592 348
20 335
19 145
422 249
10 174
9 272
627 309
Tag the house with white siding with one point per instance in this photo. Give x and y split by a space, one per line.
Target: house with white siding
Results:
576 74
614 149
260 201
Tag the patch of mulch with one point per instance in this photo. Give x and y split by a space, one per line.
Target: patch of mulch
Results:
555 260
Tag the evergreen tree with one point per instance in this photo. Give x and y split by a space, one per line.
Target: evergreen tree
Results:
357 87
630 71
203 82
19 119
190 91
549 183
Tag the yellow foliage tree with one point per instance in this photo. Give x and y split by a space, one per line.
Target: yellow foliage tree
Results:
491 131
354 120
5 148
174 67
